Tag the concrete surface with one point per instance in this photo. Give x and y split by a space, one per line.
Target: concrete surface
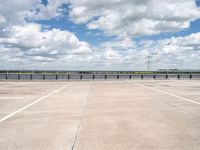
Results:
100 115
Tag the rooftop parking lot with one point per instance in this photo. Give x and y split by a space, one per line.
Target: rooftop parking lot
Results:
100 115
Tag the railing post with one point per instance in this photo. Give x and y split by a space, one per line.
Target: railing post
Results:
18 77
142 76
93 76
56 77
43 76
190 76
178 76
166 76
6 76
31 76
68 76
81 76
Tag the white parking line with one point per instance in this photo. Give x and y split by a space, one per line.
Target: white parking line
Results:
34 102
167 93
12 98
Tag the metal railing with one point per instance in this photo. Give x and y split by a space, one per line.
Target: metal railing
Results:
83 76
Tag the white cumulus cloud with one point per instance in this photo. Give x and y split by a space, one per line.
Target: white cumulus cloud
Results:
134 17
31 40
23 41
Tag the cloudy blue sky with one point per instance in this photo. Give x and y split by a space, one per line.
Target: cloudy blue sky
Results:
99 34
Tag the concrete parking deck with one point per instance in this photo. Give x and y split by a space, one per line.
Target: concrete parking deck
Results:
100 115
